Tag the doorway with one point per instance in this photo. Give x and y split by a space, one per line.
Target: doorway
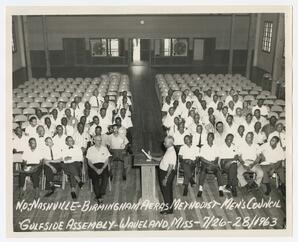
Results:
140 51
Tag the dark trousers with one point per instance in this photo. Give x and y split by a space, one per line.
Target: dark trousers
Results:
188 169
72 169
99 182
49 173
34 177
207 169
231 169
121 156
167 191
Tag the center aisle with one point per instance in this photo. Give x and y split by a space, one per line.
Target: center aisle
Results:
147 132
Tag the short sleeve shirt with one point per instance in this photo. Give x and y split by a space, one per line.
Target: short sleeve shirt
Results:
189 153
169 158
272 155
98 155
32 156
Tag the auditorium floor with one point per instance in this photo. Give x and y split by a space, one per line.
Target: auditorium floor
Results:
147 131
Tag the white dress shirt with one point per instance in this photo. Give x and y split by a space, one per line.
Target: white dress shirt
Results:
189 152
20 144
74 152
118 142
60 141
271 155
32 156
169 158
249 153
81 140
209 152
98 154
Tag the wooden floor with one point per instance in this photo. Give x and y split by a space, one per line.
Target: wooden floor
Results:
147 134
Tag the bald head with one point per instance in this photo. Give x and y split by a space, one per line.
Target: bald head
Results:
168 141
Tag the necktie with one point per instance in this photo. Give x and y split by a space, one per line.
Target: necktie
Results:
52 156
200 141
97 101
70 147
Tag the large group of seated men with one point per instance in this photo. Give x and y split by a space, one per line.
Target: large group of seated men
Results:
225 136
96 131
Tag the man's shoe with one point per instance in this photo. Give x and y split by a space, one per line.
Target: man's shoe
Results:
124 177
221 194
50 193
185 190
73 195
199 193
81 184
234 191
192 182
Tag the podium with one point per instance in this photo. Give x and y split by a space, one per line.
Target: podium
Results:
148 178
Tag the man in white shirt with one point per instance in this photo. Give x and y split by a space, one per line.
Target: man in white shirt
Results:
209 162
230 97
230 126
68 129
80 106
228 158
231 108
98 162
49 127
168 120
125 119
186 110
193 126
248 124
19 141
39 116
96 100
54 118
263 109
31 166
208 96
59 137
188 155
118 145
237 102
30 130
166 173
120 99
249 158
40 136
214 102
104 120
280 133
272 160
72 164
259 135
95 123
179 136
239 118
166 105
52 156
81 137
199 138
220 134
60 110
258 118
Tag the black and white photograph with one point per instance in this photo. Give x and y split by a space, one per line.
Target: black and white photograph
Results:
149 121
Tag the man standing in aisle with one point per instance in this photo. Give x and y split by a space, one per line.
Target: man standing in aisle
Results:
166 173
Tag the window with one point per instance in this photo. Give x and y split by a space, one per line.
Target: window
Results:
267 37
14 44
172 47
104 47
113 47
